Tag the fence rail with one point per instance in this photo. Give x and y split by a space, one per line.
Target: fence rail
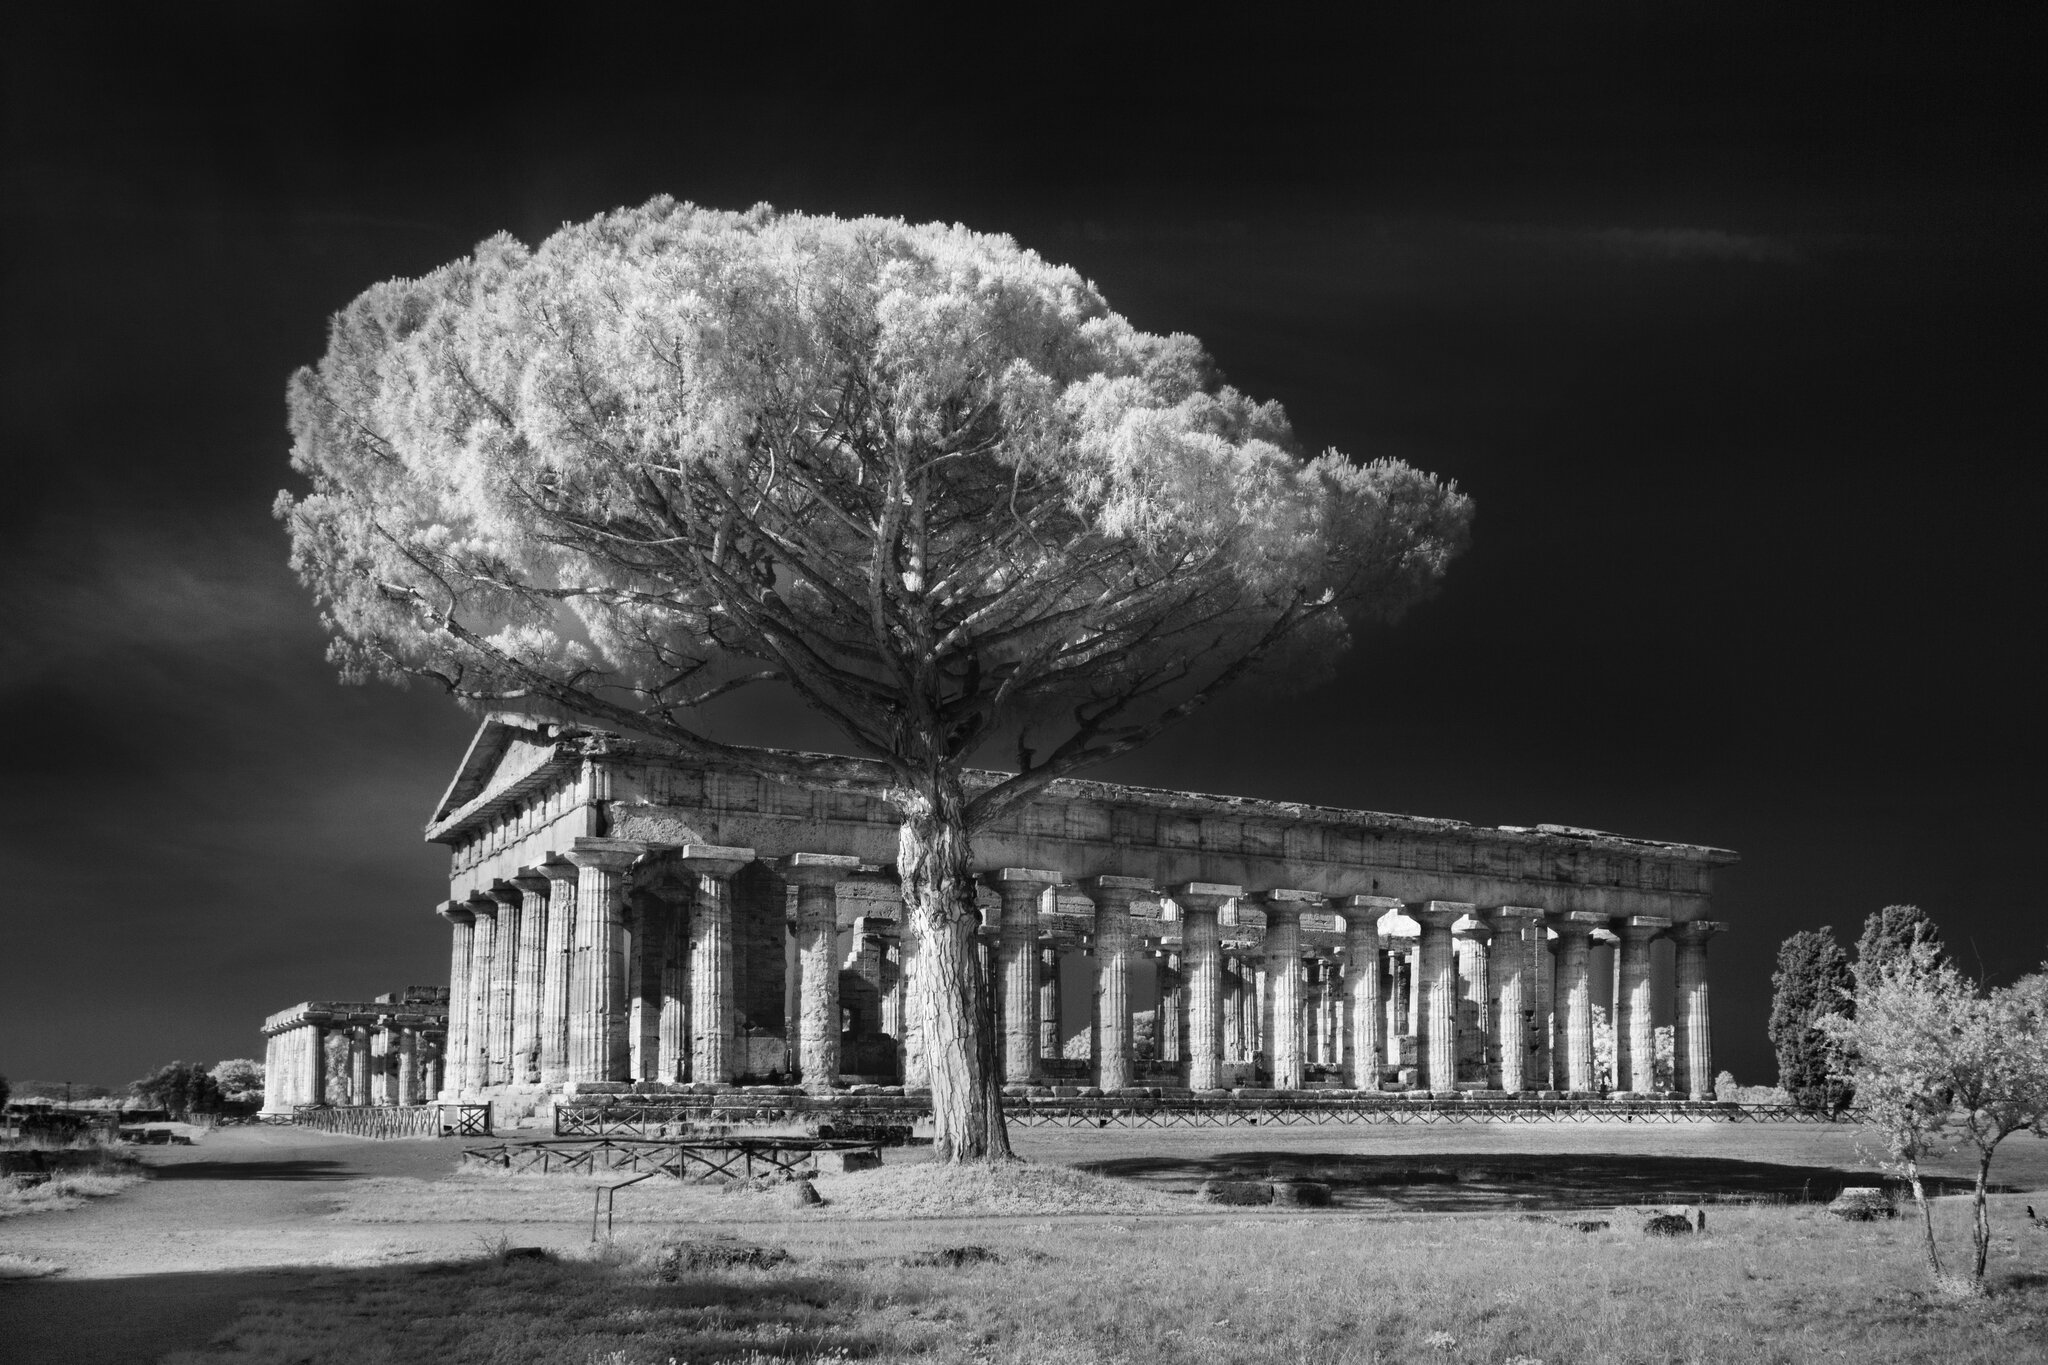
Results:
677 1117
719 1159
396 1121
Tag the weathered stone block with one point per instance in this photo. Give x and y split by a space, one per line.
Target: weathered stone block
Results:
1863 1203
1305 1194
1235 1192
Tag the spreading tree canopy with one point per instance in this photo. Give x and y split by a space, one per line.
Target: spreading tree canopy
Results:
918 476
1890 935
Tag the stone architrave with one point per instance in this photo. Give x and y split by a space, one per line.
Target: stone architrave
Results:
598 1046
1113 896
1514 1004
1282 1015
1692 1052
817 877
1436 1045
1362 983
505 980
529 983
1201 954
1635 1058
461 926
1575 988
483 963
1015 992
713 1006
558 960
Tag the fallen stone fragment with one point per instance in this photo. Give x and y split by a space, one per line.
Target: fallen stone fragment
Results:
1862 1204
952 1258
804 1193
1305 1194
673 1259
1588 1225
1668 1225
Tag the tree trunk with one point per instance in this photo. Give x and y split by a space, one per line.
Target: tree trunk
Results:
1926 1221
947 988
1980 1221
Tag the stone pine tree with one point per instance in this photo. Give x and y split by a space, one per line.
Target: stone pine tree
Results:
1812 981
922 479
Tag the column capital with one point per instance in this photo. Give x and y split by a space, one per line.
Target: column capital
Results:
455 912
556 868
712 860
1578 924
1478 931
507 894
1439 914
1382 904
1117 889
1204 895
608 855
1640 927
1697 931
483 905
1281 900
817 869
532 881
1511 917
1020 881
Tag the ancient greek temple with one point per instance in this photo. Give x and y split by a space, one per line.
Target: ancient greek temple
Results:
625 918
386 1051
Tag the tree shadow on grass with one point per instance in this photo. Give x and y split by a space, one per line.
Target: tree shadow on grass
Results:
253 1170
1533 1182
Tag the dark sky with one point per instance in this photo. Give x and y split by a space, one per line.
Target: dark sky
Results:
1730 320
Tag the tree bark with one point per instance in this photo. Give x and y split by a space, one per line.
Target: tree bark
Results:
1980 1221
1926 1221
948 991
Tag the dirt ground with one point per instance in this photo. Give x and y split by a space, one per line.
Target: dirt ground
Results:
163 1266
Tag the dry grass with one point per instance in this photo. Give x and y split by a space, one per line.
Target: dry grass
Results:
918 1190
1765 1284
14 1267
60 1192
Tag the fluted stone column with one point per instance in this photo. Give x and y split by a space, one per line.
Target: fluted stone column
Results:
1233 1009
483 964
383 1062
1398 986
461 927
916 1073
504 979
1016 992
316 1063
558 962
529 982
1635 1046
645 916
1575 990
358 1064
1472 943
1513 1005
1201 952
598 1045
1283 983
1542 988
817 877
408 1065
1692 1051
674 1025
1051 1036
1169 1022
1113 896
1362 983
1436 1047
712 1002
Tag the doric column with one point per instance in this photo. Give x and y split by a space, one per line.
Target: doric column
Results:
316 1063
712 1002
1362 982
1398 986
529 979
1635 1046
1051 1037
1169 1022
1201 953
916 1074
504 979
1575 991
461 926
673 1027
645 916
817 877
1692 1051
1283 983
1233 1009
358 1064
1436 1044
1542 993
483 965
408 1065
1016 971
597 974
1471 943
1514 1006
383 1063
1113 897
558 959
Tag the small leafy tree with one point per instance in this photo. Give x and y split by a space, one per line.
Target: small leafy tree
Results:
1940 1064
239 1080
181 1089
920 478
1812 981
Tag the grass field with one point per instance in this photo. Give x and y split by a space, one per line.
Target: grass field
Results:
1109 1272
